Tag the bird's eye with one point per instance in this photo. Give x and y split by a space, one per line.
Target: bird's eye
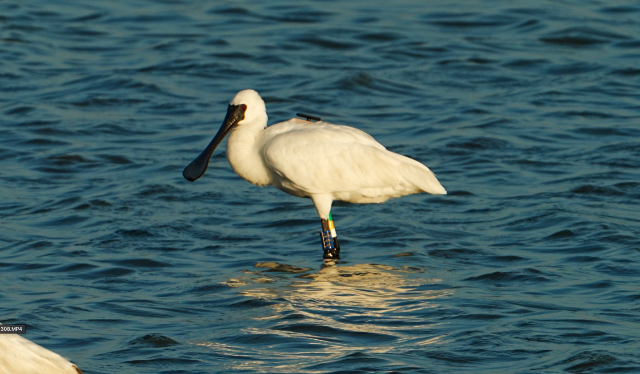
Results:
243 107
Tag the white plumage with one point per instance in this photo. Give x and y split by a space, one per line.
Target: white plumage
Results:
319 160
329 162
21 356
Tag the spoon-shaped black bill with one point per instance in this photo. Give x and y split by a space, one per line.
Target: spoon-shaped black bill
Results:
197 167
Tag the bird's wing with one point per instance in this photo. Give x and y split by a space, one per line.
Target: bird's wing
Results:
20 355
324 158
321 131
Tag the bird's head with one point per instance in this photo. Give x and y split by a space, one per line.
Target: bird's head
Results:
247 107
251 104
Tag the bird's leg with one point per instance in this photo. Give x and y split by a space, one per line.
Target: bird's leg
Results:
329 239
334 235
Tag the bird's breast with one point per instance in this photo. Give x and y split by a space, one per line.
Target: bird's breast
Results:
245 158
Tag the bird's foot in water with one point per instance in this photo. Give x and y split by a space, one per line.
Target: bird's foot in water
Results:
330 245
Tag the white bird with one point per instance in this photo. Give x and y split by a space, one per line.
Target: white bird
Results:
21 356
318 160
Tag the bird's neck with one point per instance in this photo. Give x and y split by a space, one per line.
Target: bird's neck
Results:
243 152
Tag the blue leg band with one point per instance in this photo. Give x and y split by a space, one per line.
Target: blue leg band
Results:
327 240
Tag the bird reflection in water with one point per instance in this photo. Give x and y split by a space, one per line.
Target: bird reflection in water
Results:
365 285
334 316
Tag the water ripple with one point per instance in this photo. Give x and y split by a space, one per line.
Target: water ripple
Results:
526 112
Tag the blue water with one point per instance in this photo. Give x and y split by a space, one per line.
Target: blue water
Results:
528 112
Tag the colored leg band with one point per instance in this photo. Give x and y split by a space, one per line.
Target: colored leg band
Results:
329 239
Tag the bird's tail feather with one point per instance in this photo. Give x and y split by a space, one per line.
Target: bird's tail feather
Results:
423 178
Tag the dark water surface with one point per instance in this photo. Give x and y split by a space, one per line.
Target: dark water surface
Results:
528 112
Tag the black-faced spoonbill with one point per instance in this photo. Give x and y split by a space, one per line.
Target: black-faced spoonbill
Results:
319 160
21 356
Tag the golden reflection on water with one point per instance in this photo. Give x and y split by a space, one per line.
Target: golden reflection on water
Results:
374 288
319 318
